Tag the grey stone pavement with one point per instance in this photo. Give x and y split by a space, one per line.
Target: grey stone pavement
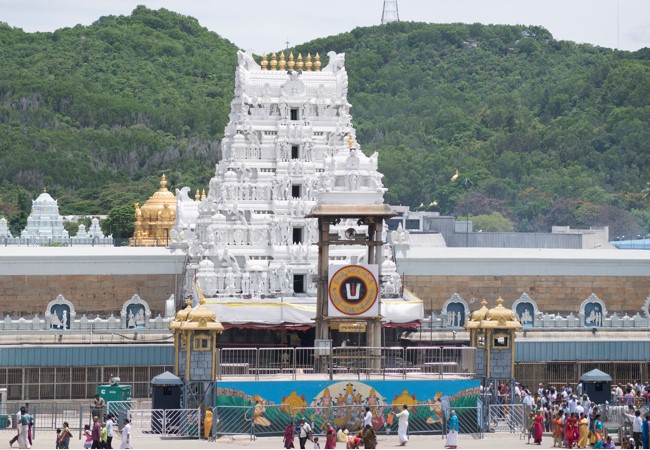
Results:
491 441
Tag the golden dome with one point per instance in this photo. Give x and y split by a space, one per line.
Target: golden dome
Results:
155 219
201 313
157 202
501 314
202 318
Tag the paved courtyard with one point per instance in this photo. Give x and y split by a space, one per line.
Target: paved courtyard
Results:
491 441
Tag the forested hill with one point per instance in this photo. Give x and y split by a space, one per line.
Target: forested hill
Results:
542 132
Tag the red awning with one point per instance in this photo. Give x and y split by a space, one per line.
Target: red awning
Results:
251 326
401 325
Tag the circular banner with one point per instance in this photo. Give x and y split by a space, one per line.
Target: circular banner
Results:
353 290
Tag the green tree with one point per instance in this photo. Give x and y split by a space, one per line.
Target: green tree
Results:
120 222
491 222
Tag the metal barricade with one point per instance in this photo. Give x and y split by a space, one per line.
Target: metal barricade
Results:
510 418
237 361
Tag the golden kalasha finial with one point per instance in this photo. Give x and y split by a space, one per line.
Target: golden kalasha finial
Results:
163 182
274 62
300 63
265 63
291 62
203 194
350 141
283 63
317 63
197 197
308 63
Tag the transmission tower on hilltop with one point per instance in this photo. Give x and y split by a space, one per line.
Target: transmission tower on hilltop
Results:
390 13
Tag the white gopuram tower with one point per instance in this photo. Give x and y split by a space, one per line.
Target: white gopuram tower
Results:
289 144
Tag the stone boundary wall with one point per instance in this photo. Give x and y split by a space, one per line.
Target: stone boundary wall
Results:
26 295
553 293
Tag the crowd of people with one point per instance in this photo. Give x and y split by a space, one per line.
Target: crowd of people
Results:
575 421
365 437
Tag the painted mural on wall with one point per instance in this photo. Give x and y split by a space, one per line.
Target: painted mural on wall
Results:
270 405
60 317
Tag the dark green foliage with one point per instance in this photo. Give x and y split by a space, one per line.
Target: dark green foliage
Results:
549 132
120 222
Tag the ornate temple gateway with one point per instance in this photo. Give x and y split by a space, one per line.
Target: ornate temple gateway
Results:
289 145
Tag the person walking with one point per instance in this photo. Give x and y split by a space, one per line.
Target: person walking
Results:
13 440
583 426
403 425
23 435
598 432
96 432
452 434
367 418
88 435
66 434
126 434
288 435
538 428
558 432
305 433
110 426
330 436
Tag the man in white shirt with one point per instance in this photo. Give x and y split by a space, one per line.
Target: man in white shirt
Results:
637 430
17 426
367 419
529 401
305 432
403 425
110 425
126 434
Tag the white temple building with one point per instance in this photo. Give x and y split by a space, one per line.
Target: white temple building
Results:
44 222
289 145
45 227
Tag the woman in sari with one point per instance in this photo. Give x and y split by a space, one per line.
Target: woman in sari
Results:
288 435
558 435
583 425
538 428
569 426
598 432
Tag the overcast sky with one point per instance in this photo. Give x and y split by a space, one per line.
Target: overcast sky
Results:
263 25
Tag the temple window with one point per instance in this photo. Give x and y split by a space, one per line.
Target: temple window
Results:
295 152
298 284
297 235
294 113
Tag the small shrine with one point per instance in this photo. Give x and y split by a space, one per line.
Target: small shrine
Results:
195 333
44 223
492 333
154 220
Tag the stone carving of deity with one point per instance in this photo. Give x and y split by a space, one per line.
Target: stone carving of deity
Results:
353 181
352 161
246 283
230 282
